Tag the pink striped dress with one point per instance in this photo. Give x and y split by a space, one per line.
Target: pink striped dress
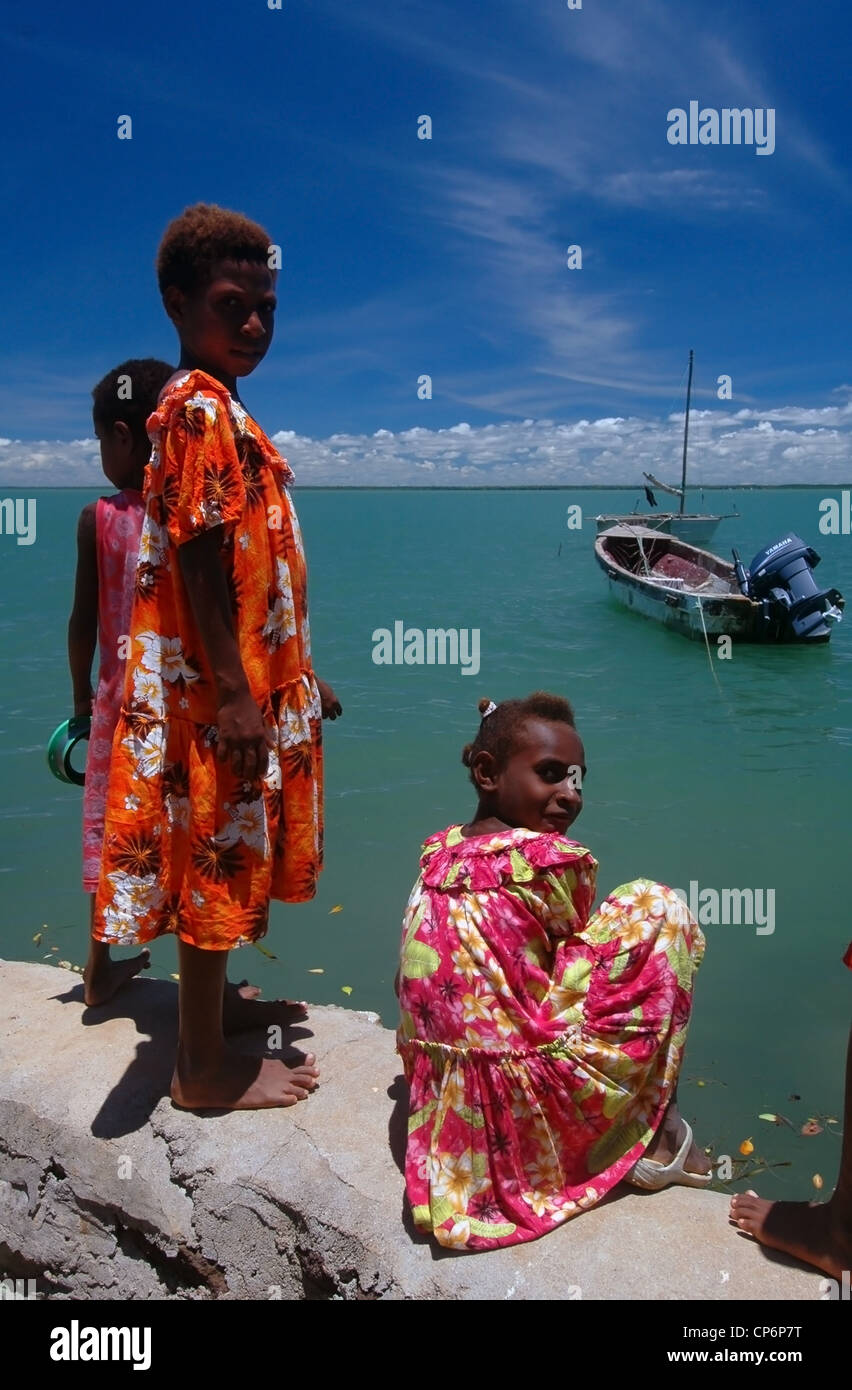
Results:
118 527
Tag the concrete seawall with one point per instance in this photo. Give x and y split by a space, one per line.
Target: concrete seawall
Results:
108 1191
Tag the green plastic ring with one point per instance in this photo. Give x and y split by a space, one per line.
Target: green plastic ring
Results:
61 745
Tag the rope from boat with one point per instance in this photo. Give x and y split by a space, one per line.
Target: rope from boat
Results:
707 645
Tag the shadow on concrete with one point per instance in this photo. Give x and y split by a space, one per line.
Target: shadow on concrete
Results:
398 1122
152 1005
781 1257
397 1142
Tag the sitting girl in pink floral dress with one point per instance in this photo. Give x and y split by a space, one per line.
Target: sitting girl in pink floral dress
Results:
541 1041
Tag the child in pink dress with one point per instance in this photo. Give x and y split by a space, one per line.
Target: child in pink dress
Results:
541 1041
108 534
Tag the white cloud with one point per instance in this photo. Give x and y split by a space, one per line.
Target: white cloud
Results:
788 444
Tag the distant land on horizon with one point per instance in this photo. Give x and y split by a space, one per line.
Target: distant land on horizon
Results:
487 487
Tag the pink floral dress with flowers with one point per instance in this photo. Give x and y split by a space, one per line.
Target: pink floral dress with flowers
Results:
541 1041
118 527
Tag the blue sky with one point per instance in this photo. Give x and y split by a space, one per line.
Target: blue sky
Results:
447 257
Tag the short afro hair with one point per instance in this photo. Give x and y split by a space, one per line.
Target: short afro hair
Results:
201 236
144 378
498 731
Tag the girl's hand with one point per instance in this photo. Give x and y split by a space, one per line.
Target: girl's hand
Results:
242 737
331 706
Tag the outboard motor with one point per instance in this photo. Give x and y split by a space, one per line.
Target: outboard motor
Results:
780 578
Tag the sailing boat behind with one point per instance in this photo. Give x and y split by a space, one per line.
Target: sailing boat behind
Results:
697 528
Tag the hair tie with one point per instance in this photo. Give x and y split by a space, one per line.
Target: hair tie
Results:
489 710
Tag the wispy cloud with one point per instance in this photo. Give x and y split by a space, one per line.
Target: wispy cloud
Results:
562 118
664 188
549 129
584 94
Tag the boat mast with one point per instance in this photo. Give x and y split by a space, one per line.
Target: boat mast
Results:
686 433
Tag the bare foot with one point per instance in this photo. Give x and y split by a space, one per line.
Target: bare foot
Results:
101 981
242 1010
240 1082
810 1231
667 1141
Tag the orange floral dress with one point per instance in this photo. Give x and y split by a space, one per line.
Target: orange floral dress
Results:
188 847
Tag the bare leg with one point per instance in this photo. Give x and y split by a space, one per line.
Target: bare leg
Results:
102 975
208 1074
243 1010
819 1233
669 1138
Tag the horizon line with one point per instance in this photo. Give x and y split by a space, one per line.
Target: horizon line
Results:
482 487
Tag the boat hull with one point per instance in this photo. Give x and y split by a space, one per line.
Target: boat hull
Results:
720 611
695 530
683 612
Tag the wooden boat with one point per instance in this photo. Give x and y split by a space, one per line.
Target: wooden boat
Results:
698 528
697 593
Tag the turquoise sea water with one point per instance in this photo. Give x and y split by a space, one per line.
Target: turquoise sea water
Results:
743 788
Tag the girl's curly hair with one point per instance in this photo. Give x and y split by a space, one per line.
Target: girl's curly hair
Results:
201 236
498 731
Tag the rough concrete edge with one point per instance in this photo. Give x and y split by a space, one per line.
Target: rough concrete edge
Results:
304 1250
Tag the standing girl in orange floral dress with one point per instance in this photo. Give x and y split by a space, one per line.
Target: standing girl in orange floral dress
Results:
215 795
541 1041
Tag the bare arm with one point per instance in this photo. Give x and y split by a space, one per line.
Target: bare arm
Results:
242 737
83 623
